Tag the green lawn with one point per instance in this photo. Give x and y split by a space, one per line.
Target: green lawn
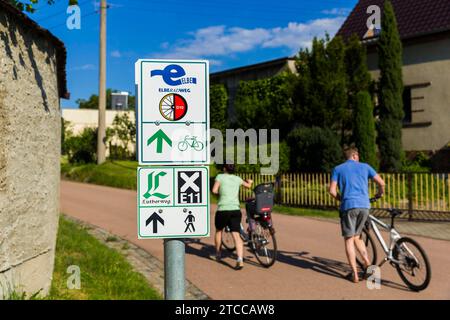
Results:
119 174
105 273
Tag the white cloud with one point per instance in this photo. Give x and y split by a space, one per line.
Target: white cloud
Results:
116 54
84 67
337 11
219 41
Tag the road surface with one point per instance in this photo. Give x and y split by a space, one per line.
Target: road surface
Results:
311 262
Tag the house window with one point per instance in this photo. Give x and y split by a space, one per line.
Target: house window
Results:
407 105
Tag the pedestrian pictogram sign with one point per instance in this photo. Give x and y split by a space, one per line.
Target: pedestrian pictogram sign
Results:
173 202
172 111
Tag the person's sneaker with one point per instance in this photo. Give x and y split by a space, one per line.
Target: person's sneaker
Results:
239 265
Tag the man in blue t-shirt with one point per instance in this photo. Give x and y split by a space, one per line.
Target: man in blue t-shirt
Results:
352 177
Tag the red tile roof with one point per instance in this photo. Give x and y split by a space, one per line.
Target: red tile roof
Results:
414 17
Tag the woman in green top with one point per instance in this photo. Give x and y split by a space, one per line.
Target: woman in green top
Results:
228 210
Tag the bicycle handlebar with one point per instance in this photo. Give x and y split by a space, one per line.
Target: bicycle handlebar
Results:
375 198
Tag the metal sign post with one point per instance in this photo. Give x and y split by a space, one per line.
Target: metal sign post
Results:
174 274
173 129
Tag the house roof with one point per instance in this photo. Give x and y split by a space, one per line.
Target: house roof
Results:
61 53
271 63
415 18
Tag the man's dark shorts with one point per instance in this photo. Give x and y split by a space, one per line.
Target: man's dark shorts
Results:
353 221
231 218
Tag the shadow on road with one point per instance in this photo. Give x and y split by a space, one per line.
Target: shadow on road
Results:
326 266
330 267
206 250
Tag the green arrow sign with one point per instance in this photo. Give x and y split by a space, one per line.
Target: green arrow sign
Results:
159 136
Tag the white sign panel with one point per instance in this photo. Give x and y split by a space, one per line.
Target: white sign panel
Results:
173 202
172 111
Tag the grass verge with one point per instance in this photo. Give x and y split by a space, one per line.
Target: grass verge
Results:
105 273
118 174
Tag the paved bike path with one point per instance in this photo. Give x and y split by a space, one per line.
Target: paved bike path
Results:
310 265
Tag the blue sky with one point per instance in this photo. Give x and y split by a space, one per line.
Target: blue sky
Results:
229 34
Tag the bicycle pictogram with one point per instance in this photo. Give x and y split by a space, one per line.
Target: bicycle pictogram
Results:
173 107
191 142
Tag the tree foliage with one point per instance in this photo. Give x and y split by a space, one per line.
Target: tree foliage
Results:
314 149
390 92
321 94
29 6
218 106
364 128
266 103
121 135
82 148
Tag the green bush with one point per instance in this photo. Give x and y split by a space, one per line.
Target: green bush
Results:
284 152
419 163
120 136
82 148
218 106
314 149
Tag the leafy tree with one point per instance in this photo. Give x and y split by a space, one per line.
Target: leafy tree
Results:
284 158
358 76
29 6
123 131
314 149
320 95
359 118
218 104
364 128
266 103
390 92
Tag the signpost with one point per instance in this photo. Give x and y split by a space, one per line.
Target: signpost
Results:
173 202
172 136
172 112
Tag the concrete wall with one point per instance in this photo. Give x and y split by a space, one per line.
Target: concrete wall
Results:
29 158
423 63
84 118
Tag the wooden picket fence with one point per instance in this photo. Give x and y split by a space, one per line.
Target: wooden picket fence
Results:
419 195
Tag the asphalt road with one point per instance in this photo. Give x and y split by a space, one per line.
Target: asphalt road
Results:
311 262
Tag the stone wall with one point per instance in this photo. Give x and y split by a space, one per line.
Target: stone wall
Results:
30 122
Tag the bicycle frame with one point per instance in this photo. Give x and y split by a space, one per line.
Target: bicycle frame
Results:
394 236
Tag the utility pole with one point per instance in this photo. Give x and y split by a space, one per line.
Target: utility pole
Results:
101 136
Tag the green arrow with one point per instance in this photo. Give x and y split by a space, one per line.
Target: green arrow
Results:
160 136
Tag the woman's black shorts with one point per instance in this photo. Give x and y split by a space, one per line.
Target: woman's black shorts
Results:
231 218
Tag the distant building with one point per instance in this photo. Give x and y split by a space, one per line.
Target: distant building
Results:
231 78
424 27
119 100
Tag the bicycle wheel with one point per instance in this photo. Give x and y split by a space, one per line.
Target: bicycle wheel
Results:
264 245
370 248
413 265
198 146
227 240
183 145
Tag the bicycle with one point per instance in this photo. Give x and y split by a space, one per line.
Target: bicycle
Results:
190 142
260 235
403 253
